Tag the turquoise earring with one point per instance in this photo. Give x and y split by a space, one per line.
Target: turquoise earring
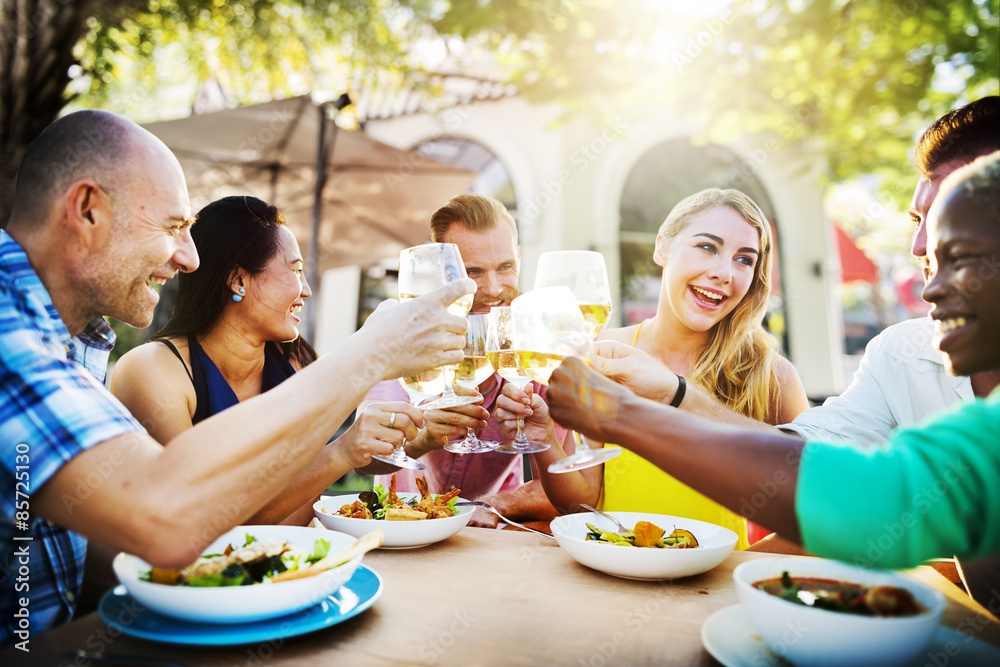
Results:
239 297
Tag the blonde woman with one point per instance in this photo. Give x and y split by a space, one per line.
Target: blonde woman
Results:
715 248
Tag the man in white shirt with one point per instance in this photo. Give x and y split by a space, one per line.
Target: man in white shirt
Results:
902 378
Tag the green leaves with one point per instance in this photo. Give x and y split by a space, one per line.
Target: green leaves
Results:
256 48
855 80
320 550
234 575
859 80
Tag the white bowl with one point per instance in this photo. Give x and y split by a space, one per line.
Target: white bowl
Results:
240 604
807 636
716 543
397 534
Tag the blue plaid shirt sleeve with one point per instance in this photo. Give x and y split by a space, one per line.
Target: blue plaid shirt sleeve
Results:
52 407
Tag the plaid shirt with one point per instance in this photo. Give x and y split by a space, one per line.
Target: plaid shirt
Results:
53 405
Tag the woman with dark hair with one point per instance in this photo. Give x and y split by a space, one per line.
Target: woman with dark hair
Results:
233 335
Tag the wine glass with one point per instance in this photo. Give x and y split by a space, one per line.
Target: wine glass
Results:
584 272
504 358
399 457
423 269
474 370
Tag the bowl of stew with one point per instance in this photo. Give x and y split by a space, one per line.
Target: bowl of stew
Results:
819 612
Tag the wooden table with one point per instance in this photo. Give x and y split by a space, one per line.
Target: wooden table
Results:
496 597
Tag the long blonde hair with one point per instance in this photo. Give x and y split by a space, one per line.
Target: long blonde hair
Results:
737 364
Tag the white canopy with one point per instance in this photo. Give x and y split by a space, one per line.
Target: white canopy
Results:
377 199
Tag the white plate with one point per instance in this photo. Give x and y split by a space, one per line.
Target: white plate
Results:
645 564
241 604
397 534
729 636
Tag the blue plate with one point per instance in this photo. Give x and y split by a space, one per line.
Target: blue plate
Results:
125 614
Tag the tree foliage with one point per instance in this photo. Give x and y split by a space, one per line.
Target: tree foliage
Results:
859 80
854 81
52 51
258 48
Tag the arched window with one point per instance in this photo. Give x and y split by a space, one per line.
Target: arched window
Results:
667 173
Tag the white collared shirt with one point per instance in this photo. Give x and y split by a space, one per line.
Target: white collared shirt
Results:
901 381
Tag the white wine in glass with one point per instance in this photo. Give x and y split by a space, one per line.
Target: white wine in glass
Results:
538 366
425 385
596 315
586 275
423 269
506 361
474 369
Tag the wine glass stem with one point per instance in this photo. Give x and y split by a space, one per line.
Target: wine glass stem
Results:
400 452
581 447
520 430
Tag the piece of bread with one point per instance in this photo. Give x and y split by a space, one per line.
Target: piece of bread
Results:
404 514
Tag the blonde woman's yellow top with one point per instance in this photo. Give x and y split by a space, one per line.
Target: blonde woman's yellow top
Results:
633 484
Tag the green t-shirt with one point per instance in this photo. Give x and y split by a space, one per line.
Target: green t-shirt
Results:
933 491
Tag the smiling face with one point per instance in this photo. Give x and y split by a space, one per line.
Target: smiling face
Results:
277 294
708 267
150 238
492 259
964 288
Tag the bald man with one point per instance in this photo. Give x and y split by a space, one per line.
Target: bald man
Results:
101 213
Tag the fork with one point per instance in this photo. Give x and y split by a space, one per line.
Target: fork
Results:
490 508
622 530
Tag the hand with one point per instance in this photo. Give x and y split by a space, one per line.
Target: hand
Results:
513 403
371 434
584 400
643 374
442 425
483 519
415 336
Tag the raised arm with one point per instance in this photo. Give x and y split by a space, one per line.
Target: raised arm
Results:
167 504
647 377
690 448
165 408
880 508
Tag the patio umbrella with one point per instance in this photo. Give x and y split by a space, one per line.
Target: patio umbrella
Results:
376 199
